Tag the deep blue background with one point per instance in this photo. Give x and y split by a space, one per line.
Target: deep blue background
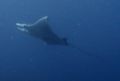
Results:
92 25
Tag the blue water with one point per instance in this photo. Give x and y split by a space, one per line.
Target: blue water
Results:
92 25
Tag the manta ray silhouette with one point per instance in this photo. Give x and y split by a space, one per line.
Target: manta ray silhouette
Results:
42 30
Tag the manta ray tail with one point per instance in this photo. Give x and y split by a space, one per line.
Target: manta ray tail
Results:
85 52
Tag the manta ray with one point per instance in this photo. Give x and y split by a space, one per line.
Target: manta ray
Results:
42 30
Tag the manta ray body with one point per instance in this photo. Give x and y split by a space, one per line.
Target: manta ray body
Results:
41 29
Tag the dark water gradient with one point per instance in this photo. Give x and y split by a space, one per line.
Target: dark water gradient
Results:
92 25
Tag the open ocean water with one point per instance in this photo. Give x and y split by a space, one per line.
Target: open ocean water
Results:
92 25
